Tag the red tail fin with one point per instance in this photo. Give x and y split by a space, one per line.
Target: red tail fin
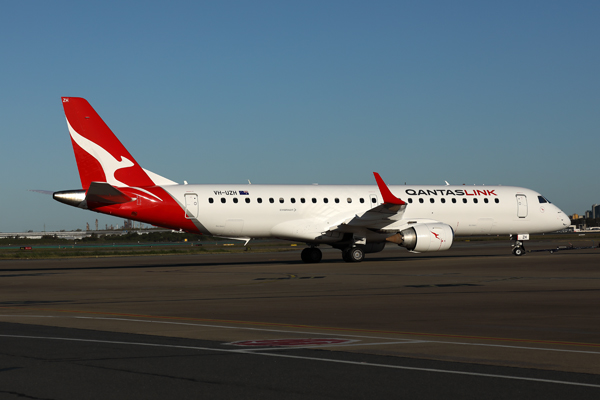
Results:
100 155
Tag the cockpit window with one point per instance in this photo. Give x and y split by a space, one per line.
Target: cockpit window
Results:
542 199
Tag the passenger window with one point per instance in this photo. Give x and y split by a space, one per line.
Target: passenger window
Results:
281 200
486 200
247 199
421 201
454 200
362 200
432 200
373 200
302 200
443 200
410 200
271 200
325 200
349 200
497 201
210 200
465 201
235 200
259 200
223 200
314 200
293 200
337 200
475 201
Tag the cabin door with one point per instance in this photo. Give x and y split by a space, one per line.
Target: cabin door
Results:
191 205
521 205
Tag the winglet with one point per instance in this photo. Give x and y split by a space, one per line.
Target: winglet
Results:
387 195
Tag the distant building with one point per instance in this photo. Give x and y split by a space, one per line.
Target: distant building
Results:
574 216
596 211
72 235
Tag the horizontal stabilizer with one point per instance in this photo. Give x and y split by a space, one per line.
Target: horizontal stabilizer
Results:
105 194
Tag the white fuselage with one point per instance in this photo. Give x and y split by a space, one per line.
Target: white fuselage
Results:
305 212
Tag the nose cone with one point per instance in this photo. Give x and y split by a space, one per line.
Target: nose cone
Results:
562 220
566 221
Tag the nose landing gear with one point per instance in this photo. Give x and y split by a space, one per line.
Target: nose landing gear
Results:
518 246
518 250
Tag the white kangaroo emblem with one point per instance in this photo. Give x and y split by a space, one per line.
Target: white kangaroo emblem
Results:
109 164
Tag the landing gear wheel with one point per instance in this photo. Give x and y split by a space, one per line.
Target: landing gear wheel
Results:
311 255
357 254
346 255
518 251
353 254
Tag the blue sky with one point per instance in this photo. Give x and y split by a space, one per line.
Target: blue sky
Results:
302 92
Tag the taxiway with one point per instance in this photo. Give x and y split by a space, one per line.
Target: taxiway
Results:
474 311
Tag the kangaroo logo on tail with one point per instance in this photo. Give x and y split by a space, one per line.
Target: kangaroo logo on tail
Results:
100 156
109 164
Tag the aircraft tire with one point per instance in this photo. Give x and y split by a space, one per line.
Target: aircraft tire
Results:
346 255
356 254
311 255
518 251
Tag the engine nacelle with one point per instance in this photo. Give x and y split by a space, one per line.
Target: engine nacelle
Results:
427 237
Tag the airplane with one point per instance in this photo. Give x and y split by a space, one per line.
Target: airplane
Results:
356 219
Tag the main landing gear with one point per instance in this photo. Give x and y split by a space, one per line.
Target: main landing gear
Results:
349 254
311 255
353 254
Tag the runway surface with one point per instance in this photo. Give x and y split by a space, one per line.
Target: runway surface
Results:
471 322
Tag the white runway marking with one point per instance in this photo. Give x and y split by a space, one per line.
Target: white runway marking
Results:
364 364
391 340
328 346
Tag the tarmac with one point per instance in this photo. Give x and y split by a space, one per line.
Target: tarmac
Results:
475 309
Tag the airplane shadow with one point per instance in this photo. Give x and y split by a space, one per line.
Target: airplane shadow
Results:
249 263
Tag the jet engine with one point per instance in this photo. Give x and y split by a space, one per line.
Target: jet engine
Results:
425 237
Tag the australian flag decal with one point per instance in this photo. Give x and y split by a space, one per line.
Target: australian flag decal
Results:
244 192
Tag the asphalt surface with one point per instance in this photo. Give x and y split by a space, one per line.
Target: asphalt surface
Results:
471 322
41 362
